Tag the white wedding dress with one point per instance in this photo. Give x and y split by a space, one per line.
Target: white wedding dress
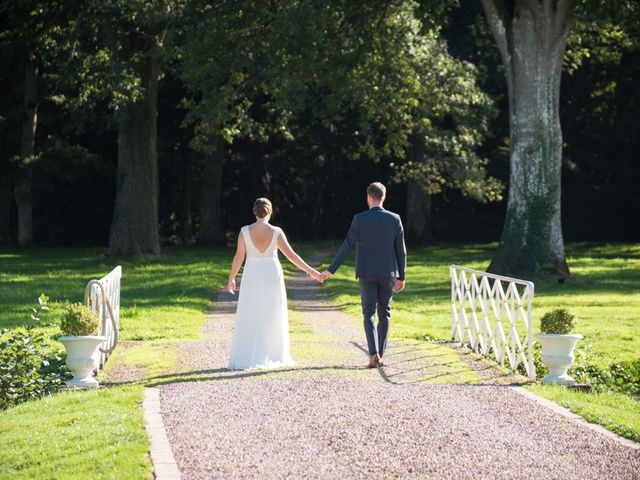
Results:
261 334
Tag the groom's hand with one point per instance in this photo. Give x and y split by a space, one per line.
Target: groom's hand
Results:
324 275
399 286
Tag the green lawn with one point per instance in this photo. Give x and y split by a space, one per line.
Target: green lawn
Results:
161 297
100 434
614 411
76 435
604 293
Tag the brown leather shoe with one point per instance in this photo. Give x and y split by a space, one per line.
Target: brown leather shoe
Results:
374 361
380 362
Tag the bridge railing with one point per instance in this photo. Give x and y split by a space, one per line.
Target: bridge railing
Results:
103 298
492 314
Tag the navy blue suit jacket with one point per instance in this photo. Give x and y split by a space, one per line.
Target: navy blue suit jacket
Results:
378 237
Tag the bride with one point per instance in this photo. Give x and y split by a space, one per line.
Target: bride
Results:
261 334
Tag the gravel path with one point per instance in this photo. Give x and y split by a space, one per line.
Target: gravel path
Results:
328 417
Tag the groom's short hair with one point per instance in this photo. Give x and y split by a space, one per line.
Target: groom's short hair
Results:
377 191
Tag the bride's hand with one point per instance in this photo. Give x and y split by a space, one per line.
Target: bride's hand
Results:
231 286
316 276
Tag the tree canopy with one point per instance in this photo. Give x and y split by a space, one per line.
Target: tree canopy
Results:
158 122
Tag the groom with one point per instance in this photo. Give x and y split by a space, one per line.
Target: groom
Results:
381 260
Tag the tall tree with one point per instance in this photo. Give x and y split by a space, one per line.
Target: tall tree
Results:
24 177
226 64
210 232
375 62
186 217
531 36
418 225
261 72
30 36
133 33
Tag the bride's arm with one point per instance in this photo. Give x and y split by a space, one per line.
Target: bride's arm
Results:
294 258
238 258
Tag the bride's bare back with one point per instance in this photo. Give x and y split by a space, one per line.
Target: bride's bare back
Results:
261 235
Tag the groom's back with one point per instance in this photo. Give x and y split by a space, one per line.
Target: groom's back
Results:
379 244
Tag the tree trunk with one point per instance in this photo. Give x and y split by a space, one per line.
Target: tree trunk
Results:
6 199
187 195
24 176
532 39
134 227
419 213
210 196
418 199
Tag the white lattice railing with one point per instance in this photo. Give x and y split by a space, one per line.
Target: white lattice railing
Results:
103 298
492 313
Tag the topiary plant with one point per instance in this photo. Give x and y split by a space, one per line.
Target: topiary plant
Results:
558 321
78 320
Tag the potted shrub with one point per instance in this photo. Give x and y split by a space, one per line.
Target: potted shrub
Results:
558 343
79 326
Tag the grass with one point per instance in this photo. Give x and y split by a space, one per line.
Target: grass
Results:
307 345
151 358
161 297
76 434
614 411
604 293
100 434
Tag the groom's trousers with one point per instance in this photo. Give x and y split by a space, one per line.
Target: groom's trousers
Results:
376 292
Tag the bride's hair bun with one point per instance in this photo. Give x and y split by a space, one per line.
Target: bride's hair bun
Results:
262 207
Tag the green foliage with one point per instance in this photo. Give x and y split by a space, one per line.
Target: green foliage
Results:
624 377
28 367
620 376
79 320
558 321
369 71
602 43
541 369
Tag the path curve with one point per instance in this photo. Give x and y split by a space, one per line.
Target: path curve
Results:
329 417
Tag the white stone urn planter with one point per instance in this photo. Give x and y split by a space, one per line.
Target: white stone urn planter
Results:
82 359
557 356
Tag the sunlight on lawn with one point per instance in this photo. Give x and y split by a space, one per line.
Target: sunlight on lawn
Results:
604 293
617 412
161 297
76 434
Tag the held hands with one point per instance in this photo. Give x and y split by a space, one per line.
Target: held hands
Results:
320 277
324 275
317 276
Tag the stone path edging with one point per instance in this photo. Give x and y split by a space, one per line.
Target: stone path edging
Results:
164 464
574 417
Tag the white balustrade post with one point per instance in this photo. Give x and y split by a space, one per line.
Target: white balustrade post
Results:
103 298
494 302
